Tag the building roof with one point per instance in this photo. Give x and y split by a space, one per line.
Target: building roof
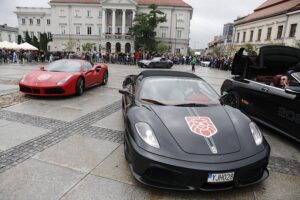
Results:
176 3
76 1
269 9
8 28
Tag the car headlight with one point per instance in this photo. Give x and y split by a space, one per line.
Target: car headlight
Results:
146 133
23 78
63 81
258 138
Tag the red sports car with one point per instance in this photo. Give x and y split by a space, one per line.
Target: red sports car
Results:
64 77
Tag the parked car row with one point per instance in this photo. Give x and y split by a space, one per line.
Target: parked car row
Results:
179 133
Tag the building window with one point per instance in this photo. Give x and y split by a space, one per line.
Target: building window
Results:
163 33
238 38
9 37
77 13
62 13
119 30
293 30
269 33
89 30
178 34
39 35
63 30
279 32
31 34
259 35
48 21
49 34
38 21
23 21
244 36
100 31
30 21
109 30
251 36
88 13
77 30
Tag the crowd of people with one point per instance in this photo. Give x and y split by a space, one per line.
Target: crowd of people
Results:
22 56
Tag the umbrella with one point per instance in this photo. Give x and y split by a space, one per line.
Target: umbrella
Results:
27 46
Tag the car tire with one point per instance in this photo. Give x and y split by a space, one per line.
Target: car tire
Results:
105 78
126 152
151 65
79 87
233 99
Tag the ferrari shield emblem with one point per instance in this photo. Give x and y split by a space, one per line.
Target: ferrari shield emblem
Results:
201 126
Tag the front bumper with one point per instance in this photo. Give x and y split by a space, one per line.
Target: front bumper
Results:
166 173
45 91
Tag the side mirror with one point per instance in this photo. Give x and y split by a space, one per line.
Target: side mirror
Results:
293 90
223 99
42 68
98 68
127 93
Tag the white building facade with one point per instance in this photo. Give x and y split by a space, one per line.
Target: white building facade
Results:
105 24
9 34
271 23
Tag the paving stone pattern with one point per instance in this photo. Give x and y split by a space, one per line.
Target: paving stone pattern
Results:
61 130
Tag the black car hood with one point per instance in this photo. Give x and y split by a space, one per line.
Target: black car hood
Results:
225 139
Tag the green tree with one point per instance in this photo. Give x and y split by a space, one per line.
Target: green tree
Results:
27 38
35 42
216 51
163 47
143 29
297 44
231 50
87 46
70 45
44 40
250 49
20 40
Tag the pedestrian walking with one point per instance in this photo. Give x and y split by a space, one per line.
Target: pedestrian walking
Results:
193 63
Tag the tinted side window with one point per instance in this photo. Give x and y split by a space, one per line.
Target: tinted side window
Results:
87 66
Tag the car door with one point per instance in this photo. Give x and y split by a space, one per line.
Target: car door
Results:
283 110
252 97
88 74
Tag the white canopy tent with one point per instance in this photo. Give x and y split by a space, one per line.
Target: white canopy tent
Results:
27 46
5 45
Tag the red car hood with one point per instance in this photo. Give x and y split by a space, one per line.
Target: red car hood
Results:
45 78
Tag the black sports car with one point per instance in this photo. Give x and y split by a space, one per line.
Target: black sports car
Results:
157 62
179 136
267 88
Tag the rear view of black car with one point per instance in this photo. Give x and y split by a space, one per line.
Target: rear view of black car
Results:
267 88
179 136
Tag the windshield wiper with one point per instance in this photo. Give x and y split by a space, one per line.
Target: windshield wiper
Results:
154 102
191 105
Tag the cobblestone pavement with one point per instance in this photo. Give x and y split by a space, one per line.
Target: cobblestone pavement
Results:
58 141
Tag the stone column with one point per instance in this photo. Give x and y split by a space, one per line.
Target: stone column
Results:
103 22
113 21
124 22
133 15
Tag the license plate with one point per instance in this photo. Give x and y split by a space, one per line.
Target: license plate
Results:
220 178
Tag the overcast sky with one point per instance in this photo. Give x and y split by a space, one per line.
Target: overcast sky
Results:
209 16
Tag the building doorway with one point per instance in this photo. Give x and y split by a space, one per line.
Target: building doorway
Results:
118 47
108 47
127 48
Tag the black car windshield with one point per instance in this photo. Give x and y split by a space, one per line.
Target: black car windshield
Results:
178 91
64 66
